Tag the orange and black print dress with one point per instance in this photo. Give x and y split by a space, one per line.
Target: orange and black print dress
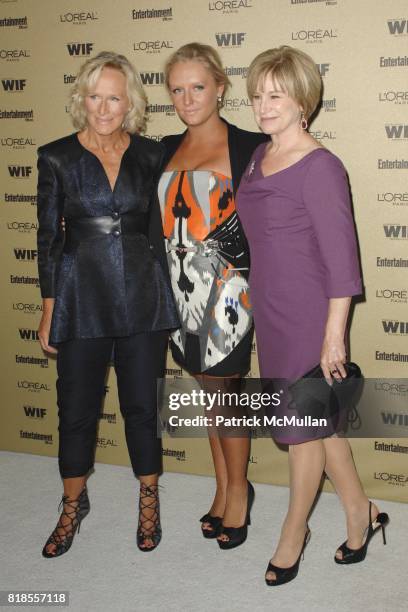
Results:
208 262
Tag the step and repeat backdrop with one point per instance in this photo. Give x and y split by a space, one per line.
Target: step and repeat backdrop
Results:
361 52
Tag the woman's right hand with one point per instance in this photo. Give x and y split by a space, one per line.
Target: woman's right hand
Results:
45 326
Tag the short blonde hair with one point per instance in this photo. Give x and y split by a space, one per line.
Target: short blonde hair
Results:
291 69
89 73
199 52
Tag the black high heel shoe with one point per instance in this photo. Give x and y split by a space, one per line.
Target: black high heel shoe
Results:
286 574
79 508
238 535
215 524
355 555
149 527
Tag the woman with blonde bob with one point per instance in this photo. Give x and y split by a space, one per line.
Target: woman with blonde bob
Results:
104 283
294 204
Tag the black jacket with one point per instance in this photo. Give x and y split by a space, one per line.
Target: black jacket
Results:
241 145
110 285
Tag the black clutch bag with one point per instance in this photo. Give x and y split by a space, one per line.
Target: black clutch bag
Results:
313 396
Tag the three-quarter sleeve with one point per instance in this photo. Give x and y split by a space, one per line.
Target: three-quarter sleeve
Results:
50 235
327 200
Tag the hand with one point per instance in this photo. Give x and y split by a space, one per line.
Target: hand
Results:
333 358
45 326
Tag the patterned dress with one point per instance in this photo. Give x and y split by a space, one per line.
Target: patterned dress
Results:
208 265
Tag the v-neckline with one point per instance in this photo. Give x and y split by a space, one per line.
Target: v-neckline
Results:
112 190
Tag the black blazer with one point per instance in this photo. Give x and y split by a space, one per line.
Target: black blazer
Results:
241 145
114 284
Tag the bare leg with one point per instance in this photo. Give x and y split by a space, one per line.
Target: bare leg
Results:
306 464
72 490
149 516
230 457
341 470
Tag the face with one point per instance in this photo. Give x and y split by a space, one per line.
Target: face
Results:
107 102
194 92
275 111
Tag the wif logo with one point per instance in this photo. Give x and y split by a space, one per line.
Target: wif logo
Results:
20 171
397 132
152 78
396 232
397 328
398 27
33 412
78 49
25 254
323 69
30 335
13 85
230 40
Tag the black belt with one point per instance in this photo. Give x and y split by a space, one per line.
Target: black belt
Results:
116 224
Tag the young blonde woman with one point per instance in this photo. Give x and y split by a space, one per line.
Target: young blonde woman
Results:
208 261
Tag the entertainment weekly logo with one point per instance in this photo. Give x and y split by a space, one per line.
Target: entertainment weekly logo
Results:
396 199
33 435
165 14
396 61
20 198
179 455
308 2
329 105
392 164
394 96
14 22
390 447
398 27
233 71
227 7
14 55
27 115
81 18
391 262
314 36
165 109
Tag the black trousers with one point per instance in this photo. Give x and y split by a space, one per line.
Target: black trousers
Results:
82 364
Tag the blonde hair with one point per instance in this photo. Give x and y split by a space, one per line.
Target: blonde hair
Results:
89 73
291 69
200 53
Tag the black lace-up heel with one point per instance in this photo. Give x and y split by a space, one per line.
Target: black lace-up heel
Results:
355 555
62 536
149 523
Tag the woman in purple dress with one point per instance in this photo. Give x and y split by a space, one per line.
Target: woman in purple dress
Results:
294 204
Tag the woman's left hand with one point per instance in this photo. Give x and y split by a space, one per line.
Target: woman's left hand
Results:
333 358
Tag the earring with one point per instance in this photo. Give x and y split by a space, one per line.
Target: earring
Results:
303 121
219 100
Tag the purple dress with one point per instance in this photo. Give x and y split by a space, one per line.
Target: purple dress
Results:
303 249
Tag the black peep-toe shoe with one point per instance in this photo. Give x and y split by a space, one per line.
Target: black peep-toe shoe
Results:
62 536
238 535
286 574
215 523
355 555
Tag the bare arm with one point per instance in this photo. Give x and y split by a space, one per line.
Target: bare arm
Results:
45 325
333 354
